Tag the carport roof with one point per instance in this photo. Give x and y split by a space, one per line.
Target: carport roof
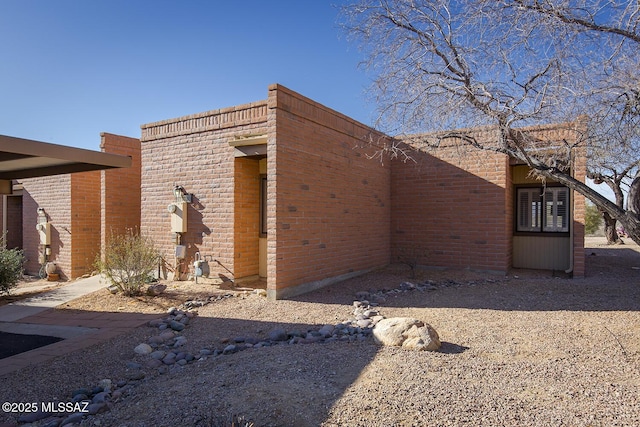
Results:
25 158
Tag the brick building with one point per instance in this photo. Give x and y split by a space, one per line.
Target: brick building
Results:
278 191
286 189
79 207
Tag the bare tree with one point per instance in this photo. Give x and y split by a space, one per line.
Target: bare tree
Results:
511 64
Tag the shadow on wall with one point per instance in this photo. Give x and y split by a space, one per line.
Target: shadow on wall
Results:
453 212
196 232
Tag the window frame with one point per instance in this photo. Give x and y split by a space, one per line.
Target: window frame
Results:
540 226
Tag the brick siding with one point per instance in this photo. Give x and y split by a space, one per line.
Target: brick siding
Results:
53 194
194 152
85 222
120 188
246 217
329 202
451 208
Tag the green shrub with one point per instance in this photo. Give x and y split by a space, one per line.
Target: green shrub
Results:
129 260
11 267
592 219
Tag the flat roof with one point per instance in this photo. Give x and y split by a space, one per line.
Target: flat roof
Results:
25 158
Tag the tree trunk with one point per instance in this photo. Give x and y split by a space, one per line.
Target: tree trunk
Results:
634 195
610 231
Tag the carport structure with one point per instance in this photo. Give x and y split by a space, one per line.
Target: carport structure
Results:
51 200
26 158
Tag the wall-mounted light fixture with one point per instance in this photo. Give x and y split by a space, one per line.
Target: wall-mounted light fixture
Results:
181 195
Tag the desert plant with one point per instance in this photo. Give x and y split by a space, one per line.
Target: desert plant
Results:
592 219
128 261
411 256
11 261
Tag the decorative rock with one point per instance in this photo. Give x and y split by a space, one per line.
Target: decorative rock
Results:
154 363
135 376
176 326
230 349
79 398
81 391
158 354
73 418
157 339
327 330
100 397
180 341
167 335
105 384
95 408
155 323
364 323
156 289
278 334
412 334
169 359
143 348
134 365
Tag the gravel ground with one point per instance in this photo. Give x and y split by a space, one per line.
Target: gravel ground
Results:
528 349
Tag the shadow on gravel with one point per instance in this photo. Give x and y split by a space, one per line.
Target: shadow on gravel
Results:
12 344
281 384
451 348
612 283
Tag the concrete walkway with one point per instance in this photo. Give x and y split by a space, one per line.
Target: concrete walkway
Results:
34 305
80 329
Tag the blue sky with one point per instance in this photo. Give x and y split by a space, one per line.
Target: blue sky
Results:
70 69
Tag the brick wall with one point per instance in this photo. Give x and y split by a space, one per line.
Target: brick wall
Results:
451 208
85 222
579 171
454 206
194 151
120 188
246 216
54 195
329 204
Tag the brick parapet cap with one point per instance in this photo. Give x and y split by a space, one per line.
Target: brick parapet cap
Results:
255 112
320 114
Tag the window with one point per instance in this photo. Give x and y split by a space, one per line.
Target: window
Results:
543 212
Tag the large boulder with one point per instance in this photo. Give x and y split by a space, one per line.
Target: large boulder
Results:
406 332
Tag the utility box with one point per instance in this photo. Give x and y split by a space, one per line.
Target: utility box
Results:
178 212
44 232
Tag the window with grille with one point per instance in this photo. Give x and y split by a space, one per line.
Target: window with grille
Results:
539 211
